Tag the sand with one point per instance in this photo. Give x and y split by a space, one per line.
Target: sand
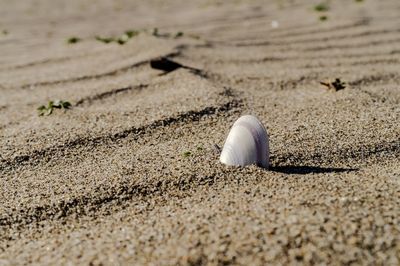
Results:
130 174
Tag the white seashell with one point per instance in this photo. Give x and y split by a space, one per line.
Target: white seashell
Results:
247 143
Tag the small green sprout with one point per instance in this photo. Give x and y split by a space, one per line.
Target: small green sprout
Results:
5 32
121 39
73 39
187 154
131 33
200 148
322 7
45 110
156 33
104 39
323 18
48 110
179 34
359 1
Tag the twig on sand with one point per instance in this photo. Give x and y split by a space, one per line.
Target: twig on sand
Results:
336 85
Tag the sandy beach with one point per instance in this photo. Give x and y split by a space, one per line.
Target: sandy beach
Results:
130 174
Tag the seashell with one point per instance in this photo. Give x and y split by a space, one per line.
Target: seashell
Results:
247 143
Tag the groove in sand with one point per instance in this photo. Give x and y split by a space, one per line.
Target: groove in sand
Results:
37 156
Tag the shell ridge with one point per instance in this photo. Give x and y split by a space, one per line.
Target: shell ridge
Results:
247 143
258 138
